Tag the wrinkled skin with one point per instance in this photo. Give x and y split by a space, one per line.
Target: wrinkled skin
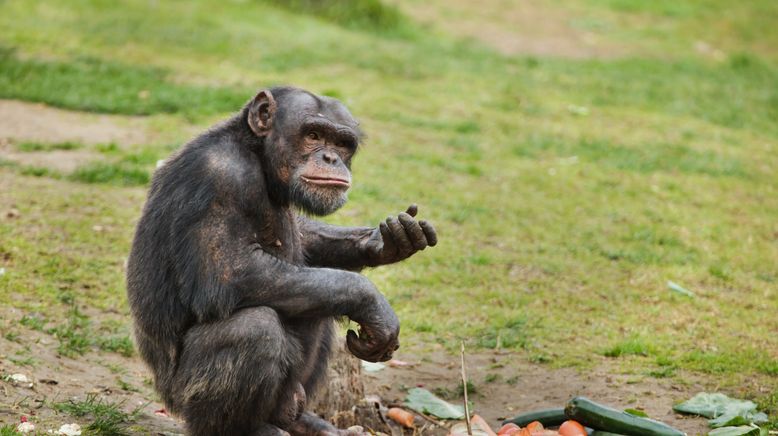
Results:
234 293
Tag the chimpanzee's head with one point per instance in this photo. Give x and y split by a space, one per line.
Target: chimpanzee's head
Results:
308 143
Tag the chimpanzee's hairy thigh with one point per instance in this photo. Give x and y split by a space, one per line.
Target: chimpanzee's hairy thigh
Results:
237 375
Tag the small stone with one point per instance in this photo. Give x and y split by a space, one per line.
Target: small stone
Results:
25 427
19 378
70 430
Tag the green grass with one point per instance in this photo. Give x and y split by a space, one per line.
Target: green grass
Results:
94 85
367 15
106 172
567 192
630 347
37 146
9 430
107 418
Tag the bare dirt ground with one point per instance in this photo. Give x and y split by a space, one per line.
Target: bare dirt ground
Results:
54 379
528 27
517 386
31 122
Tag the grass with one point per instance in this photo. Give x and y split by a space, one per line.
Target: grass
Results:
81 85
367 15
567 192
9 430
38 146
107 418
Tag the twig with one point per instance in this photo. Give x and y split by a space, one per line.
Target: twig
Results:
464 388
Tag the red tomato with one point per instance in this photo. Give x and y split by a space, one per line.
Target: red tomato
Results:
571 428
508 429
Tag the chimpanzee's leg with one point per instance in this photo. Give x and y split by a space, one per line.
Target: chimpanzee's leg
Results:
237 376
316 355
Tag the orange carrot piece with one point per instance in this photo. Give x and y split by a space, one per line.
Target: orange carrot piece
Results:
477 422
400 416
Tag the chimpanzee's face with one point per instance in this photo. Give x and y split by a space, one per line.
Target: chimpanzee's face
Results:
311 141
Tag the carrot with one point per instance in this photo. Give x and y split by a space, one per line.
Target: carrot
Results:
534 426
479 423
508 429
572 428
400 416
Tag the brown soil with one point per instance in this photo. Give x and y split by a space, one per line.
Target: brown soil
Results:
32 122
56 379
530 27
521 387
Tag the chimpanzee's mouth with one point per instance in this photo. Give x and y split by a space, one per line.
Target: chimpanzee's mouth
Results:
327 181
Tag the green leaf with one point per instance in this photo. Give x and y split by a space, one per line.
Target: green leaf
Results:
750 430
372 366
723 410
738 417
423 401
636 412
680 289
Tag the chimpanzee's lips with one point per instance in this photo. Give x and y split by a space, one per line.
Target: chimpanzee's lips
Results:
327 181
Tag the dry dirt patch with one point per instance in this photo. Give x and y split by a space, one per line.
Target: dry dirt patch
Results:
519 387
530 27
33 122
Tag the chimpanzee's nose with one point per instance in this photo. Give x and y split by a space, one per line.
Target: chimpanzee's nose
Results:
329 157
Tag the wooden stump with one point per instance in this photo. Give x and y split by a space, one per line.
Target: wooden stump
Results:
341 399
343 388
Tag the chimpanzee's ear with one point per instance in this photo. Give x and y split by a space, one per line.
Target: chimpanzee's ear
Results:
261 112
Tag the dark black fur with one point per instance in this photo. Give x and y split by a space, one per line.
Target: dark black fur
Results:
233 293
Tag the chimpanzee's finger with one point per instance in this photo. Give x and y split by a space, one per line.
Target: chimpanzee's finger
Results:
414 231
412 210
390 247
429 232
358 346
404 246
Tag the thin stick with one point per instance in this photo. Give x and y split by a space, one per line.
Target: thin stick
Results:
464 388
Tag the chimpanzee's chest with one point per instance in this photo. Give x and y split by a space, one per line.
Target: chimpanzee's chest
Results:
279 235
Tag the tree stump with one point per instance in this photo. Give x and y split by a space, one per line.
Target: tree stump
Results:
343 388
341 399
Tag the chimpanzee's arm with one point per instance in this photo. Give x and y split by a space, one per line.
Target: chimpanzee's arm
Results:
331 246
354 248
297 292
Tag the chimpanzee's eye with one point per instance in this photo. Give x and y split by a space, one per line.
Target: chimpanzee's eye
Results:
313 136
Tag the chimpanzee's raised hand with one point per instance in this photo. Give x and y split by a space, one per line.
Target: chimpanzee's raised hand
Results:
398 238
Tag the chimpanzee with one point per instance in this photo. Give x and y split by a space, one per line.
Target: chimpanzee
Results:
234 294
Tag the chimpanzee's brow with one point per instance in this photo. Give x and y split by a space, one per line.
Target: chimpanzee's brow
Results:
331 129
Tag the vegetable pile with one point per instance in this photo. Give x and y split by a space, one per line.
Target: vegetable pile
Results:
580 414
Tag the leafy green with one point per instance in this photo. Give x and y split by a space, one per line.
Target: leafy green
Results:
723 410
736 431
423 401
679 289
637 412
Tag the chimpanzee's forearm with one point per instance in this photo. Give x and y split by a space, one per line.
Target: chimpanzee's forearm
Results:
331 246
298 291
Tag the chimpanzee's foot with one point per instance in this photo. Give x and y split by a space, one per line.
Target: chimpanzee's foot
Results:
290 406
269 430
311 425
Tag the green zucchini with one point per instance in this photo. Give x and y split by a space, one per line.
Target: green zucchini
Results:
547 417
603 418
604 433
